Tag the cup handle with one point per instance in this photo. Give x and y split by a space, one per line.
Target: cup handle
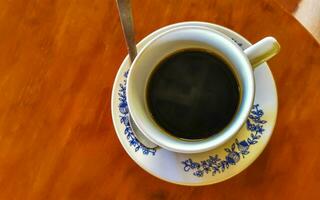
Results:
262 51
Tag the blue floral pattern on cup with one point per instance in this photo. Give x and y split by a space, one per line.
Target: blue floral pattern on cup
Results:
124 119
238 149
238 43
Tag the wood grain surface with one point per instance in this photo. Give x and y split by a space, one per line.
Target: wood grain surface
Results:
289 5
307 12
58 60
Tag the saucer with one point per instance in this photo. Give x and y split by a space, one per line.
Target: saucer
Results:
212 166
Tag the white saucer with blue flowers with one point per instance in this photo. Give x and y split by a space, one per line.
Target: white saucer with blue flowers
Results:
215 165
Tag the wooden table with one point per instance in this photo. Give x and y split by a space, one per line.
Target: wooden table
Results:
307 12
58 60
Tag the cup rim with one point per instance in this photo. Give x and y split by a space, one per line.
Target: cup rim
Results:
155 134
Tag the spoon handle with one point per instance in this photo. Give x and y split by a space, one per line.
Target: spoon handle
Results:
125 13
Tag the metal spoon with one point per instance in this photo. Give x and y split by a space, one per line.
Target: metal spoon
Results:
125 13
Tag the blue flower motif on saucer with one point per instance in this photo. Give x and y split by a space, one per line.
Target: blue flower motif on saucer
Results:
238 149
124 119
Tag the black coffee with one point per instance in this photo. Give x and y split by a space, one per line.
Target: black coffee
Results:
192 94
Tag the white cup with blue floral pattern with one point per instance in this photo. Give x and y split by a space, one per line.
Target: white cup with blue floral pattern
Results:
195 37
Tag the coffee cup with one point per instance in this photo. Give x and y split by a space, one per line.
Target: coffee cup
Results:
241 62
